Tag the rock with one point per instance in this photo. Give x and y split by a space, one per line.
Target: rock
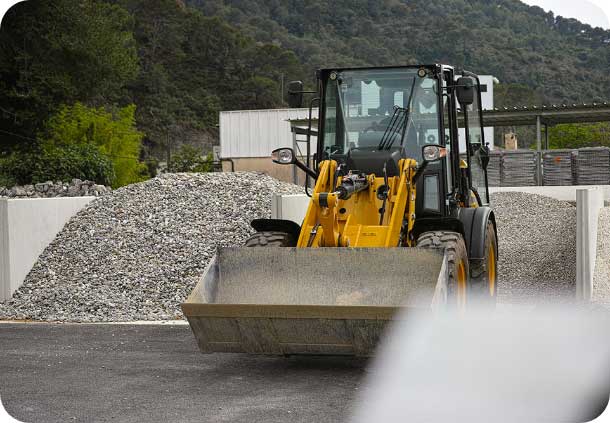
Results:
41 187
17 192
76 188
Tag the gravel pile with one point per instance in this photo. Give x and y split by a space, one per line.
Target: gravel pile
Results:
537 248
135 254
75 188
601 282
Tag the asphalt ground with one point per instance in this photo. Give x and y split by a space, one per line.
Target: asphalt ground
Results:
155 373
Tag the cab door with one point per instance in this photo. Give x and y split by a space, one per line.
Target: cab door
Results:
475 148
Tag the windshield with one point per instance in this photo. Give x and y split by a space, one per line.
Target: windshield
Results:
380 109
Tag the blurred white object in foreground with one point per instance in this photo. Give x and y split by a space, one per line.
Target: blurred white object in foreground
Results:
537 366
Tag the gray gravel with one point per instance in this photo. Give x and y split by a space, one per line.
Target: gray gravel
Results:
135 254
537 248
601 282
74 188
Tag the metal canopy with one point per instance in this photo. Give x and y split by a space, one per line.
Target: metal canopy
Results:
526 116
549 115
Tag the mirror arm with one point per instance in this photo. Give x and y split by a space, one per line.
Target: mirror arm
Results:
305 169
420 171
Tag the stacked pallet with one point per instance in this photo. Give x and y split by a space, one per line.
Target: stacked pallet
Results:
518 168
592 166
557 167
494 169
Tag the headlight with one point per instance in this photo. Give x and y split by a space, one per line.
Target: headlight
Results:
283 156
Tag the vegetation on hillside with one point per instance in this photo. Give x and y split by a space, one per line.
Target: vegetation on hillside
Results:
161 70
168 64
559 58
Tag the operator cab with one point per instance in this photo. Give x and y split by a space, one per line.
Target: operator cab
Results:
375 117
371 118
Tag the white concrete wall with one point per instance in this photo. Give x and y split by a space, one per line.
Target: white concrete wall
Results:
289 207
27 226
589 202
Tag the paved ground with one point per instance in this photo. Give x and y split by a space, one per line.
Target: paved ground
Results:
136 373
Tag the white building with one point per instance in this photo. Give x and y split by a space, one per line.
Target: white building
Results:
248 137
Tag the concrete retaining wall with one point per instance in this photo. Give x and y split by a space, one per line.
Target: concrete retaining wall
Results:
27 226
589 203
289 207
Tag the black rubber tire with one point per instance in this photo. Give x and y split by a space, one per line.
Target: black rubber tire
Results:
271 239
479 270
452 243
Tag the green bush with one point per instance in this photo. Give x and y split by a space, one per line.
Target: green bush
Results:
189 159
53 163
113 132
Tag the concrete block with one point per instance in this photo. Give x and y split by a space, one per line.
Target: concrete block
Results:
289 207
27 227
589 202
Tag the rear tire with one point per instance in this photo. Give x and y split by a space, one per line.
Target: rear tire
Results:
452 243
271 239
484 272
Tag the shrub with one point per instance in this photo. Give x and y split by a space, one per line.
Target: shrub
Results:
53 163
189 159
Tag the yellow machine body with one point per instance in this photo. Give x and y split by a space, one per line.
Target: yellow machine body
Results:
356 221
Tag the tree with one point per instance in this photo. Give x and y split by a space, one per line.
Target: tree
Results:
580 135
60 52
112 132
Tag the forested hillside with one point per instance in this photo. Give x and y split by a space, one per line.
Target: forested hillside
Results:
562 59
78 64
104 89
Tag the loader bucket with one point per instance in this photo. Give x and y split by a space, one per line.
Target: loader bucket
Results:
285 301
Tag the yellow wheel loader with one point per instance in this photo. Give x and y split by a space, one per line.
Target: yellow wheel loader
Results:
398 219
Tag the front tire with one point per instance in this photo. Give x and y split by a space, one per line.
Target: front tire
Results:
484 272
271 239
452 244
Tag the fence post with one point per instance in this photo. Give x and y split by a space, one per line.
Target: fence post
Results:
295 174
538 150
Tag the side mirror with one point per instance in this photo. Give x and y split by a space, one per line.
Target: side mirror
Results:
283 156
465 91
286 156
433 152
295 94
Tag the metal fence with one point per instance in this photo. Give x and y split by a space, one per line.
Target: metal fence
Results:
584 166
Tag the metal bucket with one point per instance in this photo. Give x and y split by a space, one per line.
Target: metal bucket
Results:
285 301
